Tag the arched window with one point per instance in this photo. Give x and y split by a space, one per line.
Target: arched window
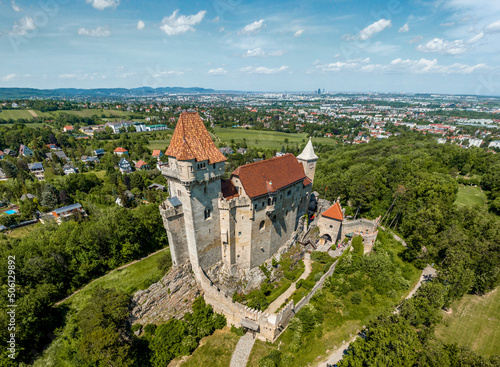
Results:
262 225
208 213
269 201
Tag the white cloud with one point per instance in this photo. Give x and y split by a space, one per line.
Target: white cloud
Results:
416 39
141 25
218 71
216 19
299 33
159 74
263 70
340 65
258 52
443 47
16 7
449 24
178 24
221 29
103 4
252 28
23 26
9 77
476 38
97 32
404 28
68 76
493 27
374 28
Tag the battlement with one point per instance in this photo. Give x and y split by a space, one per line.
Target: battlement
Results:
168 211
236 202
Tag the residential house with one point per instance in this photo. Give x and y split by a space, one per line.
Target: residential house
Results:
52 147
226 151
494 144
59 153
9 152
68 211
119 126
241 151
88 159
156 187
2 155
141 165
120 151
28 196
25 151
124 166
99 152
157 153
69 169
37 169
126 193
68 128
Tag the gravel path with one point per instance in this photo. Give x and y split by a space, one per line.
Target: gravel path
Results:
242 351
281 299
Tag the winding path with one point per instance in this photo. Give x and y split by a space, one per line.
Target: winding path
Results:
281 299
242 350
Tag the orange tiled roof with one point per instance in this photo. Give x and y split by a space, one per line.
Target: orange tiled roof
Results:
334 212
120 149
140 164
191 140
270 175
156 152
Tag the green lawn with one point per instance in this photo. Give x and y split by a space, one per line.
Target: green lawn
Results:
22 231
89 113
214 351
139 275
470 196
474 322
159 144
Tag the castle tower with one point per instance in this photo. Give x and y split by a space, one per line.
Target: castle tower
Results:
308 160
191 215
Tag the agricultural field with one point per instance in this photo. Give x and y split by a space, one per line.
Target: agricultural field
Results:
470 196
91 112
264 138
17 114
158 144
474 321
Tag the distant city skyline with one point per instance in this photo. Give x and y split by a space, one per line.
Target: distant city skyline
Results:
434 46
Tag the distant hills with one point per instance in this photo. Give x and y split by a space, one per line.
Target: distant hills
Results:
10 93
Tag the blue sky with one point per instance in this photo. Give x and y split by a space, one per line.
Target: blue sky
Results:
440 46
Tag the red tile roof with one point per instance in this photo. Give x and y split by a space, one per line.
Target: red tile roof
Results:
156 152
120 149
191 140
140 163
270 175
334 212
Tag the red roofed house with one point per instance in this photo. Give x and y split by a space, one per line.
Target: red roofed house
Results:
157 153
238 223
68 128
141 165
120 151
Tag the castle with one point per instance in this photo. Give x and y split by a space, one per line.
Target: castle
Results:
242 221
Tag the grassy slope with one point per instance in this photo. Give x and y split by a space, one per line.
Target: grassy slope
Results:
470 196
338 325
16 114
137 276
214 351
474 322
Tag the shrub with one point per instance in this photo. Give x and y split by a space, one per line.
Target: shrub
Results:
356 299
240 331
357 245
304 283
150 329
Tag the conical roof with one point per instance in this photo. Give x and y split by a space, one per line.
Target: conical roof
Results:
308 152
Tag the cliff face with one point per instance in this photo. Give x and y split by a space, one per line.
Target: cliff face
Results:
171 297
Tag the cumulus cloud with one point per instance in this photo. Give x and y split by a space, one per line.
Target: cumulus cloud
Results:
342 65
299 33
374 28
16 7
493 27
258 52
23 26
442 46
263 70
404 28
97 32
140 25
9 77
178 24
253 28
103 4
218 71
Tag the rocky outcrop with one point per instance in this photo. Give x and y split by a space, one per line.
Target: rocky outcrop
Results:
171 297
